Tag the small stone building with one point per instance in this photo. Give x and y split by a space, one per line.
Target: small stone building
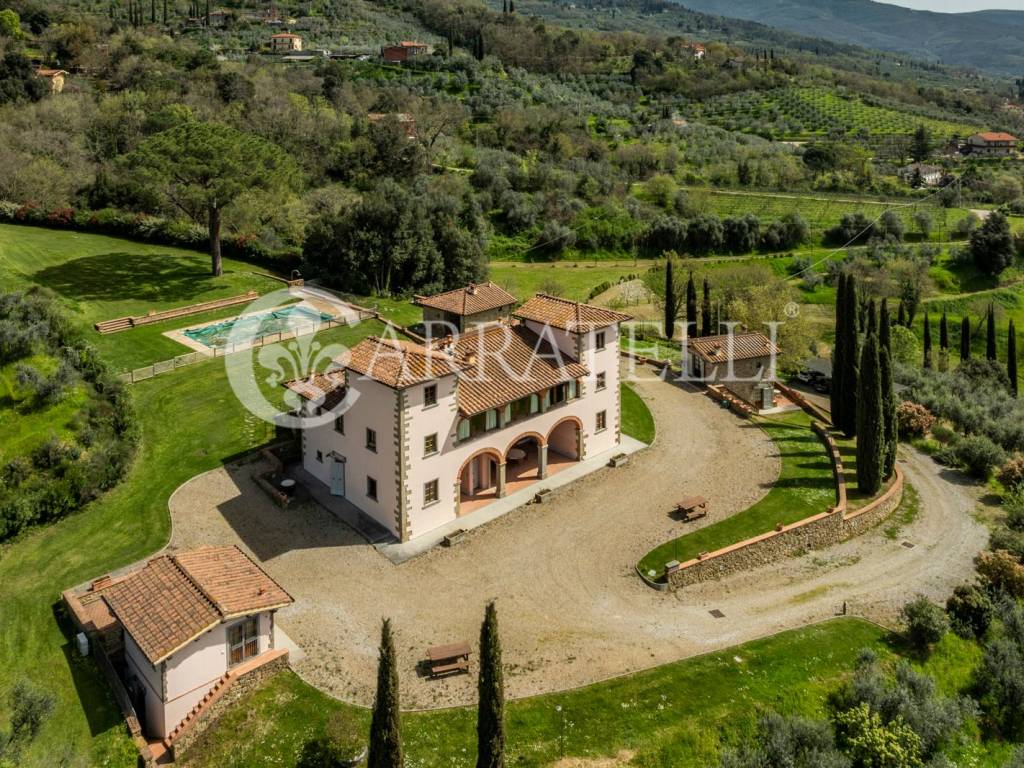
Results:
55 76
743 363
465 308
285 42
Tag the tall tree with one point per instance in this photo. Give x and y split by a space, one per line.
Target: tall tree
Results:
871 448
202 168
885 327
851 353
872 315
965 339
1011 357
691 307
901 315
990 333
921 145
837 397
385 725
890 429
705 311
671 310
992 244
927 342
943 343
490 723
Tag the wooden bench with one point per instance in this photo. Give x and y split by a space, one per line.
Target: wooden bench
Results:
692 508
448 659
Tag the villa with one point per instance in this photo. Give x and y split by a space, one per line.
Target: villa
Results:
992 144
434 431
742 363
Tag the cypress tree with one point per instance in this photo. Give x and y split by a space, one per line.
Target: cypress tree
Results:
851 355
165 11
965 339
870 432
206 14
890 430
152 11
670 301
836 398
705 310
943 343
901 316
490 723
691 307
885 327
385 726
1011 357
927 342
990 334
872 324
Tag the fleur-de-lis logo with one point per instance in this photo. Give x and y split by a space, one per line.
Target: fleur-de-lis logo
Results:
281 342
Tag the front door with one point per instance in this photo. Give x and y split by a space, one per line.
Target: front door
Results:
338 477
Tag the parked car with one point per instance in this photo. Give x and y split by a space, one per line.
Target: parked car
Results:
822 385
805 375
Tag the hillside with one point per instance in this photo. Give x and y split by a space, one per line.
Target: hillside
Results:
987 40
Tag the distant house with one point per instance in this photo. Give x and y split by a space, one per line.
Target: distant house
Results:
55 76
930 175
180 631
743 363
734 63
698 51
285 42
403 51
992 144
467 307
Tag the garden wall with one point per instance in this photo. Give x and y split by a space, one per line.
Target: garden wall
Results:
823 530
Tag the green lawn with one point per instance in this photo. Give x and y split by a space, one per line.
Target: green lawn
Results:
23 425
805 487
637 421
100 278
571 279
191 421
676 715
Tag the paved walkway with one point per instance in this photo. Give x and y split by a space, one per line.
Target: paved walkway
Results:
572 609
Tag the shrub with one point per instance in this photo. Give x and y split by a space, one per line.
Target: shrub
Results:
970 611
1002 572
978 455
914 419
999 686
1011 474
926 622
29 709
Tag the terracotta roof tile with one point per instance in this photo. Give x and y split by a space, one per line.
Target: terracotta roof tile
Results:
507 363
568 315
161 608
233 582
325 389
994 136
175 598
744 346
398 364
469 300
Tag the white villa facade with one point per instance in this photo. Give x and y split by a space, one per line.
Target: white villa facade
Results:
429 433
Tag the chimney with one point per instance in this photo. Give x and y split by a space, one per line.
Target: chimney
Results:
472 289
471 358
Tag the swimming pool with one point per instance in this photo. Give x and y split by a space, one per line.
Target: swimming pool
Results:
240 330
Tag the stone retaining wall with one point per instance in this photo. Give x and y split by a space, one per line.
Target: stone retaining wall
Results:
817 532
240 687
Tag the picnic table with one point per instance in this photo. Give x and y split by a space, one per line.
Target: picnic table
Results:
692 507
448 659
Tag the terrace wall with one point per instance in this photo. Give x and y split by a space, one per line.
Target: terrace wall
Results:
836 524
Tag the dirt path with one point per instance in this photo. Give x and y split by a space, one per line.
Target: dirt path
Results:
572 609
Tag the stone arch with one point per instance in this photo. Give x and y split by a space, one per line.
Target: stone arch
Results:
558 444
541 440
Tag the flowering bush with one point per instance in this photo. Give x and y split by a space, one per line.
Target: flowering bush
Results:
1011 474
914 419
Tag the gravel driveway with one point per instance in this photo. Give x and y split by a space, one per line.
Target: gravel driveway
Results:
571 607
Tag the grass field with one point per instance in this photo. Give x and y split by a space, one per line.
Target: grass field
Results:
676 715
637 421
805 487
820 211
571 279
808 112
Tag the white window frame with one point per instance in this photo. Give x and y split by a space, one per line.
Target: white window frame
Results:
248 645
431 488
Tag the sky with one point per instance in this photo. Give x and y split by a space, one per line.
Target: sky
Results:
959 6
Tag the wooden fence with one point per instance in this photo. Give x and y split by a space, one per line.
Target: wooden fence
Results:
190 358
